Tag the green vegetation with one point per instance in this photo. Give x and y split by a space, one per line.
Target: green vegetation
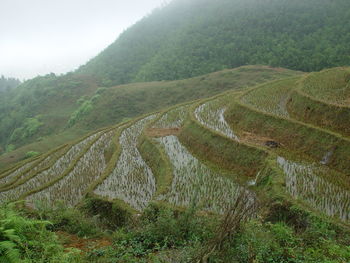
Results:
23 239
331 86
70 106
83 110
155 157
231 178
186 39
293 136
257 173
31 154
323 100
29 128
162 234
117 103
224 152
40 107
272 97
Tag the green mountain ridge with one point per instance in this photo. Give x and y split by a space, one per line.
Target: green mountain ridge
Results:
191 38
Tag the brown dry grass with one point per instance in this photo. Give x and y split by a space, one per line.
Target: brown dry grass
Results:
255 139
83 244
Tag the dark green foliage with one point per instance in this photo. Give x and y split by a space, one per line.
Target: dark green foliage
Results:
68 220
163 234
29 128
111 214
281 239
31 154
190 38
27 240
161 229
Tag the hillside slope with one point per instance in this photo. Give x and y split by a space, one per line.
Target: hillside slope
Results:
239 155
50 110
191 38
238 136
181 40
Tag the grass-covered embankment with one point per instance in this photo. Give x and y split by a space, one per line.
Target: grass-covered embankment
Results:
305 108
221 151
292 135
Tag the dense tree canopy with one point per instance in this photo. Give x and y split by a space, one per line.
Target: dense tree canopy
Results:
190 38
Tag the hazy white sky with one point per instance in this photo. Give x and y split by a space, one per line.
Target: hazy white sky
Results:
42 36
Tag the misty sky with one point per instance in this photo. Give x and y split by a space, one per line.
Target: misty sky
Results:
43 36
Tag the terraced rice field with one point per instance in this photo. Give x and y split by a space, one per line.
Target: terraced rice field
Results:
271 98
194 183
308 183
132 180
172 119
26 172
68 173
331 86
53 172
71 188
14 174
211 115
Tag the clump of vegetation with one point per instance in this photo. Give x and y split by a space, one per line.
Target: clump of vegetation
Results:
29 128
164 234
83 110
23 239
31 154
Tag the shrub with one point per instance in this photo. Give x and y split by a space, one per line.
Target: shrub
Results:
31 154
82 111
70 220
27 240
110 214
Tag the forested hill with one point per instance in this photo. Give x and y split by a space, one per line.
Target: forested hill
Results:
8 83
190 38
